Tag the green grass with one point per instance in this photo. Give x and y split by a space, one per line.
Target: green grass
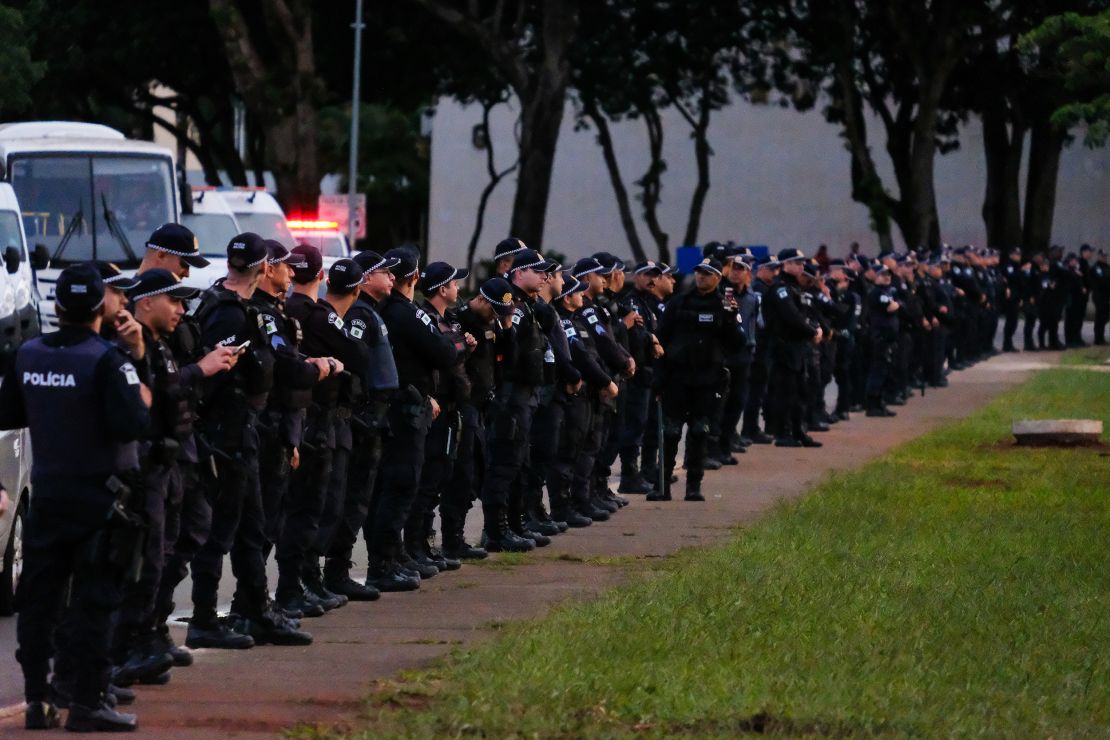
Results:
1086 356
956 586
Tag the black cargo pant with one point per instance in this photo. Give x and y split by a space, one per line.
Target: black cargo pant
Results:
843 373
362 471
467 472
335 493
238 528
305 499
576 412
878 376
137 612
610 419
410 416
1010 310
692 406
188 523
736 398
757 392
64 539
786 393
439 457
1102 316
547 425
274 476
586 412
508 432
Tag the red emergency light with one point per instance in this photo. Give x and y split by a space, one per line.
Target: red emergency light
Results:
312 225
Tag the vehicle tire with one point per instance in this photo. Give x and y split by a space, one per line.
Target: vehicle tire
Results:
13 563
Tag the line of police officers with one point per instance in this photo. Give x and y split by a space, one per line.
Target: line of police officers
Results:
290 412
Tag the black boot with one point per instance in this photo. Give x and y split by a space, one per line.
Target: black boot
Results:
498 537
337 579
41 715
571 517
215 634
99 719
314 584
437 556
181 656
632 481
385 575
270 628
454 543
693 490
520 529
145 661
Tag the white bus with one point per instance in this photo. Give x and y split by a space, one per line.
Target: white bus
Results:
86 192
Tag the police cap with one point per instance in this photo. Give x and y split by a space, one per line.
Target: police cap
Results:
179 241
499 293
408 262
112 276
438 274
370 261
708 265
246 250
790 253
79 291
508 248
306 262
344 276
156 282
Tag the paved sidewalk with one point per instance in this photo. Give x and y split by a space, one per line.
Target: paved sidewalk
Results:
265 690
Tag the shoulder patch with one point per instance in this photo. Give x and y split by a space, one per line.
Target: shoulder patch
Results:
356 332
592 318
129 373
334 320
782 293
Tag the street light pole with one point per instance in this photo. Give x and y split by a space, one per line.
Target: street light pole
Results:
352 165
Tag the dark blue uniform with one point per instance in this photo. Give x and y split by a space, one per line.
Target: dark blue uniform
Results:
80 397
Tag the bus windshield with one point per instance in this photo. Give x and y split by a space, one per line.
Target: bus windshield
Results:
93 206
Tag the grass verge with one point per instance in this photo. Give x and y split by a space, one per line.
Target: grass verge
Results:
1086 356
955 586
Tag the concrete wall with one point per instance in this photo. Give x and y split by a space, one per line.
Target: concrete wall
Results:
779 178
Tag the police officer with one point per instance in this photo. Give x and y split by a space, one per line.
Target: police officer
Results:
884 325
661 292
488 318
188 514
697 331
420 353
86 409
1099 281
766 273
368 424
645 348
568 485
228 424
1013 295
439 284
791 335
509 419
157 299
327 333
739 361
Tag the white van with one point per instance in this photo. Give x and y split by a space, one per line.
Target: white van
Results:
19 321
86 192
214 225
259 212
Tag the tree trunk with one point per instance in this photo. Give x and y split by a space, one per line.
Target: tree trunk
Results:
922 228
281 93
541 117
867 186
1045 146
624 204
495 178
702 152
1003 147
651 184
